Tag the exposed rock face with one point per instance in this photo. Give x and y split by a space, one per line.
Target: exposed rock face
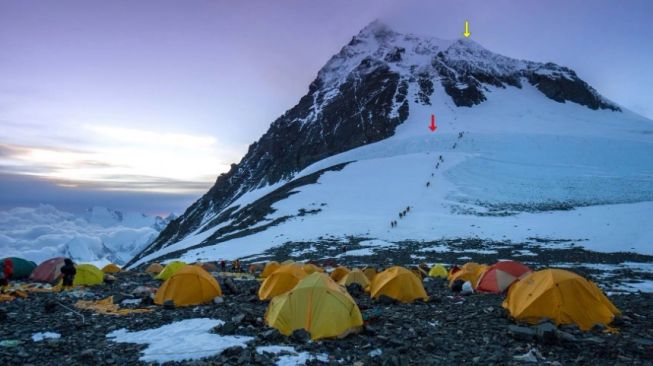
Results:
359 97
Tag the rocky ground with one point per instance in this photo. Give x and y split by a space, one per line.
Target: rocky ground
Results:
444 330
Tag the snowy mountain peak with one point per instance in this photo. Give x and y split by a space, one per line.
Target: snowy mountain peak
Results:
382 86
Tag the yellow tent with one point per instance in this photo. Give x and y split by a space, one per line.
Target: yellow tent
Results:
317 305
155 268
170 269
355 276
88 275
370 272
469 272
281 281
190 285
339 273
398 283
561 296
310 268
111 268
438 270
269 268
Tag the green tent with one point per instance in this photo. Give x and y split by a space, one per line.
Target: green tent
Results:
22 267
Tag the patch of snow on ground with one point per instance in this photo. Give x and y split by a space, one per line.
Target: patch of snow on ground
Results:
188 339
524 253
641 286
37 337
290 356
356 252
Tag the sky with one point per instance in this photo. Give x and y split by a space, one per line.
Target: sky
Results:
140 105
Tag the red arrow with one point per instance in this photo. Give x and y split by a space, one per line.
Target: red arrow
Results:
433 127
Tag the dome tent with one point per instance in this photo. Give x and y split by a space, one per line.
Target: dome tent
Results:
398 283
318 305
191 285
559 295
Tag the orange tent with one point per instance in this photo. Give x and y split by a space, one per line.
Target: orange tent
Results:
209 267
339 273
154 268
269 268
469 272
559 295
281 281
191 285
501 275
398 283
310 268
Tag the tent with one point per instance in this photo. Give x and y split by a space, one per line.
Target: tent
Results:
420 273
281 281
190 285
111 268
48 271
210 267
339 273
439 271
22 267
317 305
370 272
469 272
155 268
170 269
355 276
269 268
310 268
501 275
559 295
398 283
88 275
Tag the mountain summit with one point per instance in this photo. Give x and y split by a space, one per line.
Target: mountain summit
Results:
513 137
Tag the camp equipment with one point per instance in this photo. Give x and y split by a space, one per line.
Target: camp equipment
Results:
310 268
111 268
170 269
398 283
338 273
154 268
190 285
48 271
281 281
317 305
370 272
88 275
22 267
269 268
355 276
501 275
469 272
438 271
559 295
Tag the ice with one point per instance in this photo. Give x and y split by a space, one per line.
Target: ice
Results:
291 357
38 337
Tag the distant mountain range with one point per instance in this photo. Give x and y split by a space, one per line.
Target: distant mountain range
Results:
98 235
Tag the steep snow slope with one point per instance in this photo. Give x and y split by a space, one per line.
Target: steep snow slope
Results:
99 235
522 144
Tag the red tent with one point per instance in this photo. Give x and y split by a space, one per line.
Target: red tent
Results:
48 271
500 276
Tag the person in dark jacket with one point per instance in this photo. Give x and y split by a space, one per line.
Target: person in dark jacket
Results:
68 270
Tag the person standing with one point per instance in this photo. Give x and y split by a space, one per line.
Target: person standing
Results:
68 271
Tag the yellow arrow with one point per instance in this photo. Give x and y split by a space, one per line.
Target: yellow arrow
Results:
467 33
